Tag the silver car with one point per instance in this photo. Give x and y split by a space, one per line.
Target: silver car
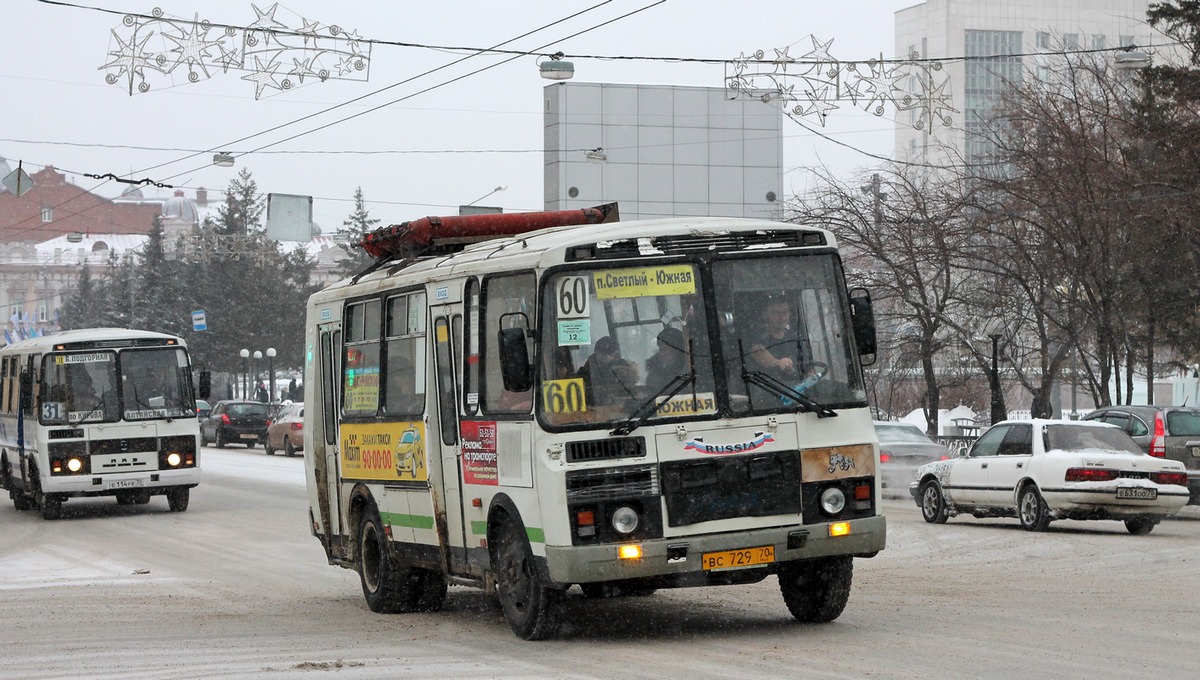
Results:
902 449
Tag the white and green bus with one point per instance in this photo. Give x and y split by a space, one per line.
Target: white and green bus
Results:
535 401
97 412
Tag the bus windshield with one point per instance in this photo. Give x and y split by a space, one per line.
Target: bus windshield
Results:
785 334
632 344
81 387
625 342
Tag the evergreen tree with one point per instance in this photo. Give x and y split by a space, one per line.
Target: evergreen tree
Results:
357 226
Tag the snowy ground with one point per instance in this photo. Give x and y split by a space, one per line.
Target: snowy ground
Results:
237 588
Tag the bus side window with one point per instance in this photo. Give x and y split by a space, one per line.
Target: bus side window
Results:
508 294
4 389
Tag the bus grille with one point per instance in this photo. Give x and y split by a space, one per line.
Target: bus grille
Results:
606 449
623 482
703 242
732 486
125 445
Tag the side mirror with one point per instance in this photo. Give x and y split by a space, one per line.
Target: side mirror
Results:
515 369
205 384
862 316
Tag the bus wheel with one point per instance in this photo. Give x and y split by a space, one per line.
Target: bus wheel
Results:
816 591
387 587
532 610
20 501
177 499
50 504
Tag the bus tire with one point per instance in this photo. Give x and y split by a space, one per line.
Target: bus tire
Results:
387 587
532 609
20 501
177 499
50 505
816 591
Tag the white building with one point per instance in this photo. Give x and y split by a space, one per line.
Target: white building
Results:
661 151
1010 35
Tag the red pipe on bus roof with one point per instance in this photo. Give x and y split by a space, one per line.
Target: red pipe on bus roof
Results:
418 234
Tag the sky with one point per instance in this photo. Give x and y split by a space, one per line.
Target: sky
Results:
421 129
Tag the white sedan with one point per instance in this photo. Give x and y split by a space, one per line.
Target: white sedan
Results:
1042 470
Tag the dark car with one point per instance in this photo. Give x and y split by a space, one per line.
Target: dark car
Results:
235 421
203 408
1171 432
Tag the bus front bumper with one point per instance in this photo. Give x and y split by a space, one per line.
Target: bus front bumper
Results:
678 560
157 481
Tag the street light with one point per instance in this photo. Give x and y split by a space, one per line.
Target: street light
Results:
271 374
555 68
245 355
254 370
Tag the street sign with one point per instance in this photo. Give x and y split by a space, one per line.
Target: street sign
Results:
198 321
18 181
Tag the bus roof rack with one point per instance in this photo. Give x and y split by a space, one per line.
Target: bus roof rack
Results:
443 235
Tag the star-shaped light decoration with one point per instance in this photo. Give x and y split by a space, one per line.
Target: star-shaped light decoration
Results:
302 68
263 76
130 60
192 49
309 31
819 104
266 20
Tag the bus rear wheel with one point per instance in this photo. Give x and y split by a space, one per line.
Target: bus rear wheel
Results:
177 499
532 609
816 591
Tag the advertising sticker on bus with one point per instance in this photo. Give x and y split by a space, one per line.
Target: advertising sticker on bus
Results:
479 453
384 452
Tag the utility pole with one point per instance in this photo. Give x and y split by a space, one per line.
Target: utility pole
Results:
877 197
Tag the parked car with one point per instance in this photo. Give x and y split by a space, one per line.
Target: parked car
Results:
1042 470
902 449
1162 431
235 420
203 408
286 430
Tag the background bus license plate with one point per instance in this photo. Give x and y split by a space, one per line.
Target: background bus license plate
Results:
125 484
746 557
1138 493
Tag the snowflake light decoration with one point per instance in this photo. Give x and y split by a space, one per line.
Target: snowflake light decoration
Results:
273 55
810 86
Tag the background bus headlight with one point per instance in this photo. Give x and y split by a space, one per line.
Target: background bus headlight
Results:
833 500
625 519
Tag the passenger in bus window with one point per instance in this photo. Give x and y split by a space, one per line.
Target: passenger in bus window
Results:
402 395
776 349
669 361
607 376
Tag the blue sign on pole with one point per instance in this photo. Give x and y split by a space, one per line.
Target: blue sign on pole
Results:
198 321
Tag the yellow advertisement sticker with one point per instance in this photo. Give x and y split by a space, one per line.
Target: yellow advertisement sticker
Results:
837 462
384 452
678 279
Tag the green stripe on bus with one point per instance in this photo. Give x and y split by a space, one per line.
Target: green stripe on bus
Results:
535 535
414 521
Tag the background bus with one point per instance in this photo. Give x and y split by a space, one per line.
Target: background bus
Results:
618 407
97 412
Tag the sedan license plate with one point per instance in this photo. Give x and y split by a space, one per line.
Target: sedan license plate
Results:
248 436
732 559
125 484
1137 493
1196 452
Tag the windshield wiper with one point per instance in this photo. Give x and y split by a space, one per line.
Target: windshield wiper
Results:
785 391
647 408
99 403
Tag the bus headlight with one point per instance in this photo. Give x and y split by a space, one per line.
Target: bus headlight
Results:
74 465
625 519
833 501
173 459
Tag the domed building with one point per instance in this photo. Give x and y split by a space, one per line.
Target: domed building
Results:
179 217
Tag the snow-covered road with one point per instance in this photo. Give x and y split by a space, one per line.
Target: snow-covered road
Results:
236 587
